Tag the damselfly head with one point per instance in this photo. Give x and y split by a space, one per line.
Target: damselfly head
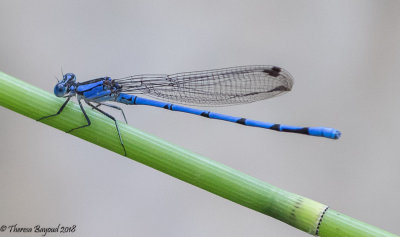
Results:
62 87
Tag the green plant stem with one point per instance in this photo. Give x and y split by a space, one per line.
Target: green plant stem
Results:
295 210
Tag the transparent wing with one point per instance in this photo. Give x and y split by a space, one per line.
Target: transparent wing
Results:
227 86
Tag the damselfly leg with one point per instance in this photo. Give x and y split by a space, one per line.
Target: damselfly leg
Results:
114 107
59 111
62 108
87 118
111 117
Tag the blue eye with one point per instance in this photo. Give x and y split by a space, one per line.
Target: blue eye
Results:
59 90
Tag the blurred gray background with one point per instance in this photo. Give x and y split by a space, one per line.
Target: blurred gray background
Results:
344 56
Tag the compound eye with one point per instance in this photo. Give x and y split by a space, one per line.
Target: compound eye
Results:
59 90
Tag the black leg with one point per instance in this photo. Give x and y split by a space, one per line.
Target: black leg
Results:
59 111
87 118
114 107
111 117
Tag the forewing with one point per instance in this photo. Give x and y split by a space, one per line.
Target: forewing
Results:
227 86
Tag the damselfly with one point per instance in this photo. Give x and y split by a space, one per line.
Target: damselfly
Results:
227 86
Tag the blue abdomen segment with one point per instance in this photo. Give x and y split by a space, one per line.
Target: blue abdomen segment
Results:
313 131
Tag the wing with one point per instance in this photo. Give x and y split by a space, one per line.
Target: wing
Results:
227 86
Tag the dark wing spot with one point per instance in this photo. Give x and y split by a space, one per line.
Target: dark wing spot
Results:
272 72
276 69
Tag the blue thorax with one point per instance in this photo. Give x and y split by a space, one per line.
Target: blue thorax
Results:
97 90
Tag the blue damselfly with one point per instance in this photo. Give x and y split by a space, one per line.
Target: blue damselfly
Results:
227 86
